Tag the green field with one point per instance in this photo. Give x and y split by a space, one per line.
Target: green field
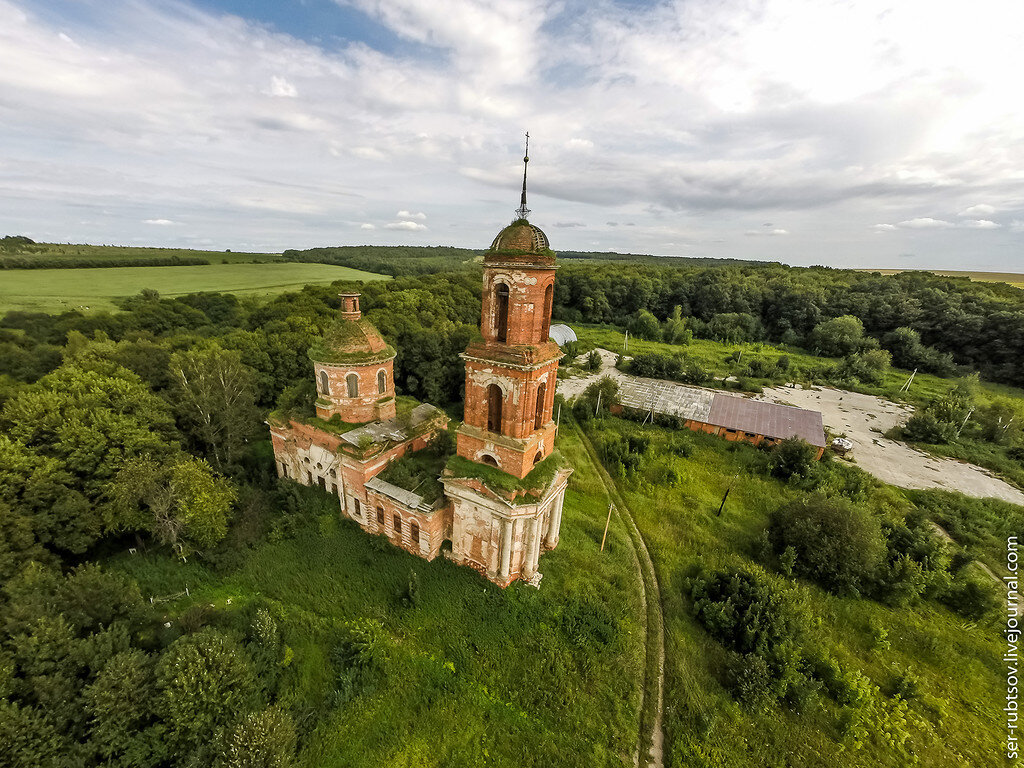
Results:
59 290
1012 278
952 720
127 253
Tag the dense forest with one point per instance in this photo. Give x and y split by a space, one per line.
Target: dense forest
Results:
980 324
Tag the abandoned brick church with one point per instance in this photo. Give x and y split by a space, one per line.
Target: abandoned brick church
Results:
496 505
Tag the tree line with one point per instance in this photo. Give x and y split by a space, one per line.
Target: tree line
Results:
919 317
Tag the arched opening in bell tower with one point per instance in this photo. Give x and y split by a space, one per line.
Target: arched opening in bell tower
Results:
325 386
494 408
501 312
538 420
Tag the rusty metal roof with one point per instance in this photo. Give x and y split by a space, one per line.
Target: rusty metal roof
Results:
768 419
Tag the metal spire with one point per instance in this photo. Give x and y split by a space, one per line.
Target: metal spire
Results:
522 211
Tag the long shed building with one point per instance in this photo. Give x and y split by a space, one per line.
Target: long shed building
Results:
728 416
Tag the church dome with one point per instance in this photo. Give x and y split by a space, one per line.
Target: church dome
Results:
351 339
521 243
523 236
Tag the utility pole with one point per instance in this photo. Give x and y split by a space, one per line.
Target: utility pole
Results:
598 407
965 422
625 343
726 496
558 421
906 386
606 522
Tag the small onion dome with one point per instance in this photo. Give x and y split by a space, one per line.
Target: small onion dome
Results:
520 241
351 342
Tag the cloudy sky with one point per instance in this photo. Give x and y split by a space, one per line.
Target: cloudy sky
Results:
878 133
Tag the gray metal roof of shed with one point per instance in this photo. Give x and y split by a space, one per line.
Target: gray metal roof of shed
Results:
769 419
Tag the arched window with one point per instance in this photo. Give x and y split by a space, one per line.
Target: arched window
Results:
538 420
488 459
325 386
501 311
538 458
549 294
352 380
494 408
398 525
380 516
382 382
414 532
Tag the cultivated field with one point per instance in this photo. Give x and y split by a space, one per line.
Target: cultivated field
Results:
59 290
74 252
1013 278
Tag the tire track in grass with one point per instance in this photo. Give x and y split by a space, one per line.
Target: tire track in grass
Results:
652 735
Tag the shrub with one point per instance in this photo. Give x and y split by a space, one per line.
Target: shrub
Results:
838 544
925 427
763 629
838 337
594 361
972 599
645 325
792 457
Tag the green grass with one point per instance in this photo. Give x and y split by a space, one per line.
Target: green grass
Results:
57 290
498 480
958 662
475 675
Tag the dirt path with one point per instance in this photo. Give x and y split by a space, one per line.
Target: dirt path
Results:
865 418
651 729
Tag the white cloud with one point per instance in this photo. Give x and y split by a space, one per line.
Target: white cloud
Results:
279 86
776 232
410 226
579 144
367 226
709 118
982 209
409 215
158 222
925 222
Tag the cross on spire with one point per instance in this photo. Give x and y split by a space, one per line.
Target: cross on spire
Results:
522 211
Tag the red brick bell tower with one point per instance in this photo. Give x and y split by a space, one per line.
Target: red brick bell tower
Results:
511 373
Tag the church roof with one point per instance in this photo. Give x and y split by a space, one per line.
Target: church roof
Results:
519 242
351 342
521 235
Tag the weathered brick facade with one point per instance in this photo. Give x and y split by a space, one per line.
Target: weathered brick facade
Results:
510 388
511 377
354 369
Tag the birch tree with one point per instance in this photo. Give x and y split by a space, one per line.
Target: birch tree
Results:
214 399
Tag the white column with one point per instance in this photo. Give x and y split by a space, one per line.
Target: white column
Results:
506 548
555 521
536 541
532 540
